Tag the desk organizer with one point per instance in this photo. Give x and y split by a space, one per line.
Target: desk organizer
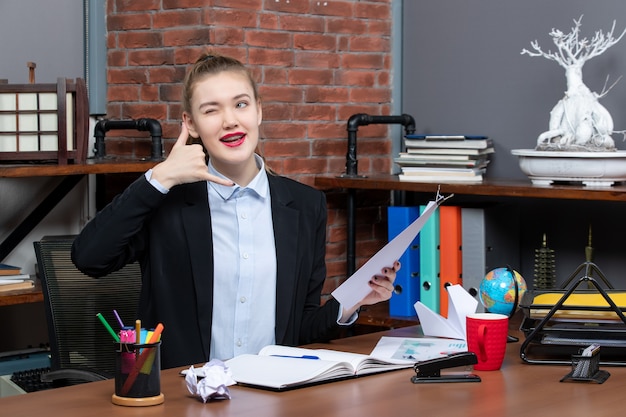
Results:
44 122
586 369
558 323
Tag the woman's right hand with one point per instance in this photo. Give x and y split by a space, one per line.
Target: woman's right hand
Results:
185 164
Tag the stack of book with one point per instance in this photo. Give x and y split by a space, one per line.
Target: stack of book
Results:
11 278
444 158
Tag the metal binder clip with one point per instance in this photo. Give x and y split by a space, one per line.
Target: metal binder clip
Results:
430 371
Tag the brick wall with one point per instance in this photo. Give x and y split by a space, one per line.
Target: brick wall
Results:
316 62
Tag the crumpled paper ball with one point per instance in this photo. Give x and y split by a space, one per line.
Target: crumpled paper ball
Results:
210 382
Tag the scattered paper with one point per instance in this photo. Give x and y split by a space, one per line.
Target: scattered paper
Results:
356 287
460 304
210 382
417 349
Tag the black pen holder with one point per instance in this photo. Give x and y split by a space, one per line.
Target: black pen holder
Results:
587 369
138 374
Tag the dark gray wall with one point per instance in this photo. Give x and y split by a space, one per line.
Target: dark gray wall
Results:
463 72
49 33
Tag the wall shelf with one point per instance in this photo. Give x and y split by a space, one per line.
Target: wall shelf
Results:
72 174
498 188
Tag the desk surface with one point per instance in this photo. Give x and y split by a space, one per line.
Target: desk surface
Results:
518 389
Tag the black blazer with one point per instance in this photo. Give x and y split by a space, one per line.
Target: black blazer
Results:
171 237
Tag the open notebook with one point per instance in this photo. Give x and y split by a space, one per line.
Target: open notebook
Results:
282 367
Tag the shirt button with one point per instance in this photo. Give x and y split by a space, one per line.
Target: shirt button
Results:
242 300
239 343
245 255
244 216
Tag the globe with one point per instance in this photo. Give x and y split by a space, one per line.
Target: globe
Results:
497 290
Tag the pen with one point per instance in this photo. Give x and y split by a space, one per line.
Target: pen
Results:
108 327
119 320
298 357
137 332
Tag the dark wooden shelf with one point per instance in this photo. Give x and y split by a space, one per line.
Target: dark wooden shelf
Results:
499 188
92 166
31 295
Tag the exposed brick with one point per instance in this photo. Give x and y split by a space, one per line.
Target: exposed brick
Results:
333 8
367 10
149 92
315 42
228 36
170 92
129 22
285 93
227 17
133 40
370 95
187 37
123 93
369 43
183 4
135 5
282 130
310 59
326 130
326 95
310 76
272 39
177 18
152 57
294 148
314 112
348 26
299 23
126 76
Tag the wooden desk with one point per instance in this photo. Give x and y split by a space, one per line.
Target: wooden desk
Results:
518 389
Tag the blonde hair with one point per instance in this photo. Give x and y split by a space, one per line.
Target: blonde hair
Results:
211 64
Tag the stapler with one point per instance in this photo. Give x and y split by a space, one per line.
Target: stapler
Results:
430 371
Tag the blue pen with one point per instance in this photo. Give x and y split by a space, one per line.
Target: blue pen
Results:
297 357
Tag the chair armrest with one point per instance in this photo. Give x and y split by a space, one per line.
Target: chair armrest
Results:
74 373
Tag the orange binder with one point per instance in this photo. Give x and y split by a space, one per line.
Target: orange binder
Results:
450 255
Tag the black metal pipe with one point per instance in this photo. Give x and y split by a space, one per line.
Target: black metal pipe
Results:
356 120
362 119
144 124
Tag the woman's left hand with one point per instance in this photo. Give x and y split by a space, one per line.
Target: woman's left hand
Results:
382 289
382 285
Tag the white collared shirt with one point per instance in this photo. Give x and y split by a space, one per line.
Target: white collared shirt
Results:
244 301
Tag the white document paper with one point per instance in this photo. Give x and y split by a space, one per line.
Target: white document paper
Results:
416 349
460 304
356 287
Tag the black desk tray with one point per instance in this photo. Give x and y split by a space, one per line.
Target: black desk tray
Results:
555 332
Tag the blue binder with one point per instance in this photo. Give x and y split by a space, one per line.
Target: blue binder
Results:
407 281
429 262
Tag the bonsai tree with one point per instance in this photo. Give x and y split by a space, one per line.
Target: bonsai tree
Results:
578 122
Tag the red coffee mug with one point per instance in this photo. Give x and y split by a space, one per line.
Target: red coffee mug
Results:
487 336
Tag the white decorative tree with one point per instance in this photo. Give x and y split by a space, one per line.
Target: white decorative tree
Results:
578 122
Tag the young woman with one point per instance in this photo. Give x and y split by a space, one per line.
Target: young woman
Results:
232 256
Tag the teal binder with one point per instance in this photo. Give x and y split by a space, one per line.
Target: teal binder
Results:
429 262
407 283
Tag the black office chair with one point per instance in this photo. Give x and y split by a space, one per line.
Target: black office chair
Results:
81 348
